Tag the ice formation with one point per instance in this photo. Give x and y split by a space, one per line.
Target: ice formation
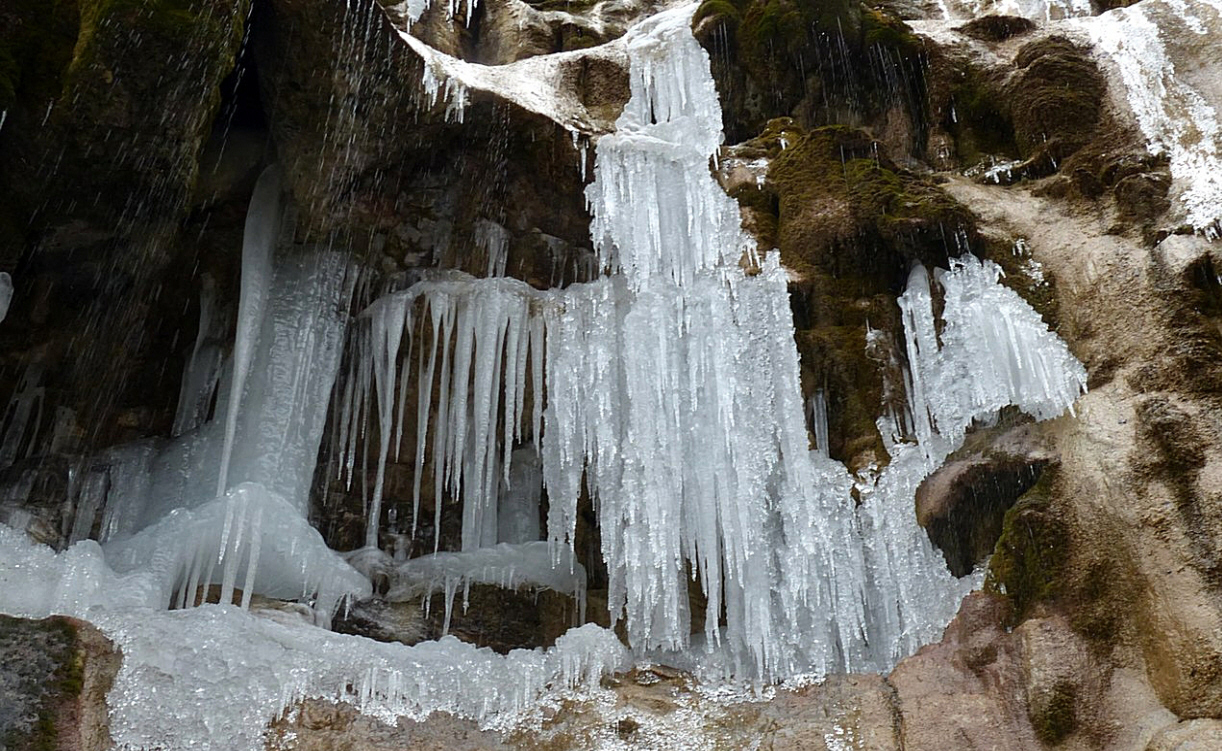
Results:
668 390
262 230
216 673
1176 110
656 378
202 372
532 565
6 289
159 512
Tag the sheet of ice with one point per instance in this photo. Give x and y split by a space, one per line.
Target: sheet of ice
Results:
277 431
23 418
537 84
1176 110
249 533
816 410
521 497
221 674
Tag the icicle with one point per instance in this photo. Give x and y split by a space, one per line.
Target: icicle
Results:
6 281
387 332
202 371
262 228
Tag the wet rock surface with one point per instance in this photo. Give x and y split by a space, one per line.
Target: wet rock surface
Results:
54 675
483 615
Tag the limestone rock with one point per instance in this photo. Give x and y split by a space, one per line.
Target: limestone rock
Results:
1191 735
54 676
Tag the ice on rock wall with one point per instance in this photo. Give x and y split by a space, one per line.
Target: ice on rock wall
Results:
202 372
668 390
521 498
251 540
1177 110
478 339
216 676
532 565
161 515
995 351
258 244
6 290
655 209
672 395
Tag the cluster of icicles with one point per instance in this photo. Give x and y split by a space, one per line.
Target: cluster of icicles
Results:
669 390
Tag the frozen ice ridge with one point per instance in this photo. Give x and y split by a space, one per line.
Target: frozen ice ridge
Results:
220 674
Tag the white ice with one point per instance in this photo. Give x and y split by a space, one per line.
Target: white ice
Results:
217 675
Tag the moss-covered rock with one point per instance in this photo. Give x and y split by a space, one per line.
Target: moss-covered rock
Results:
846 209
849 223
1054 101
995 28
1055 717
820 63
1029 562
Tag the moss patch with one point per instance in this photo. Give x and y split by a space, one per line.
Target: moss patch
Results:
818 62
1057 716
996 28
849 223
1029 562
1055 100
42 669
844 208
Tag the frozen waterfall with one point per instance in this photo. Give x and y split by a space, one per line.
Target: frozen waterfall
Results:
669 390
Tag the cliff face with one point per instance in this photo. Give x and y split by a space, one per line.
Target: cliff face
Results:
860 139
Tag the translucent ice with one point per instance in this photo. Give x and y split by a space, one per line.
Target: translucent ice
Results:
6 288
220 674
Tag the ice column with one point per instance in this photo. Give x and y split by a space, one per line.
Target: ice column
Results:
674 390
258 243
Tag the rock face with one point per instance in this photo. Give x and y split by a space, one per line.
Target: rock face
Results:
54 675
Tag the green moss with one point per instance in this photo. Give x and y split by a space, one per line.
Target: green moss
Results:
1029 561
1055 101
889 32
580 42
50 645
994 28
725 12
878 217
1057 718
979 120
